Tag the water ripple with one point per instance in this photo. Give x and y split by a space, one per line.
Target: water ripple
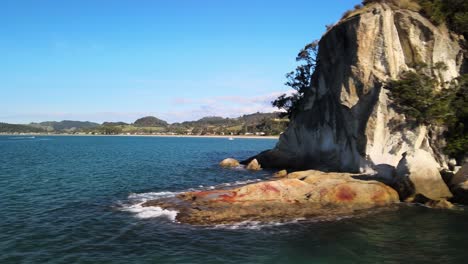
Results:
63 200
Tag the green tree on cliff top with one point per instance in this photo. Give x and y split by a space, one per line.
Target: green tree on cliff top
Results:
300 79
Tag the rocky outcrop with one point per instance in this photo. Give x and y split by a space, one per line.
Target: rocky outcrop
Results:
459 185
347 120
253 165
303 194
229 163
418 174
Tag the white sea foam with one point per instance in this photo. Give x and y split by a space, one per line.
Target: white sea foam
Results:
239 168
150 212
246 182
145 212
255 225
136 200
143 197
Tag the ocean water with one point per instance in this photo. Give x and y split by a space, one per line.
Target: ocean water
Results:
77 200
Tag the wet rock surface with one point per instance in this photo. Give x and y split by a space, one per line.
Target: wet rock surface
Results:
229 162
305 194
253 165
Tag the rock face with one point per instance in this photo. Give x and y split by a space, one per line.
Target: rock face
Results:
459 185
418 173
304 194
347 119
229 162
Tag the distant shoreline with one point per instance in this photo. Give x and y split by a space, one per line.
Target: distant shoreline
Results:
123 135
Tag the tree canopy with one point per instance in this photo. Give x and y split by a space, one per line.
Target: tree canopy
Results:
300 79
421 97
150 121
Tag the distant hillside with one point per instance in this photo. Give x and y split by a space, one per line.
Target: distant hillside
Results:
258 123
64 125
13 128
262 123
114 124
259 117
211 120
150 121
245 119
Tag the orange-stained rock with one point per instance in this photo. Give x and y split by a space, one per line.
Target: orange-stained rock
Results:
302 194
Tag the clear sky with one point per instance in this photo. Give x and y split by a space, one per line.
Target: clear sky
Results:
117 60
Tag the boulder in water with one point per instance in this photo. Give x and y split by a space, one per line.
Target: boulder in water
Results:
253 165
229 162
418 173
441 204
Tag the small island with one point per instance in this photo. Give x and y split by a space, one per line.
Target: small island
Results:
379 116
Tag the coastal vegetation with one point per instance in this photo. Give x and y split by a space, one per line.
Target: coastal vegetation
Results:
454 13
300 79
422 97
150 121
65 125
8 128
426 99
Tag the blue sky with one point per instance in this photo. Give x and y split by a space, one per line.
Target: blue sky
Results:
117 60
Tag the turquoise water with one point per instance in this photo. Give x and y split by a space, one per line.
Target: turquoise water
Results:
76 200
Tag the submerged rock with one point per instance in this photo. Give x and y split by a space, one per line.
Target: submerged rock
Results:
253 165
229 162
418 173
301 194
441 204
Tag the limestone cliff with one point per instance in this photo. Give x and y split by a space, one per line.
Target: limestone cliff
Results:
347 121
